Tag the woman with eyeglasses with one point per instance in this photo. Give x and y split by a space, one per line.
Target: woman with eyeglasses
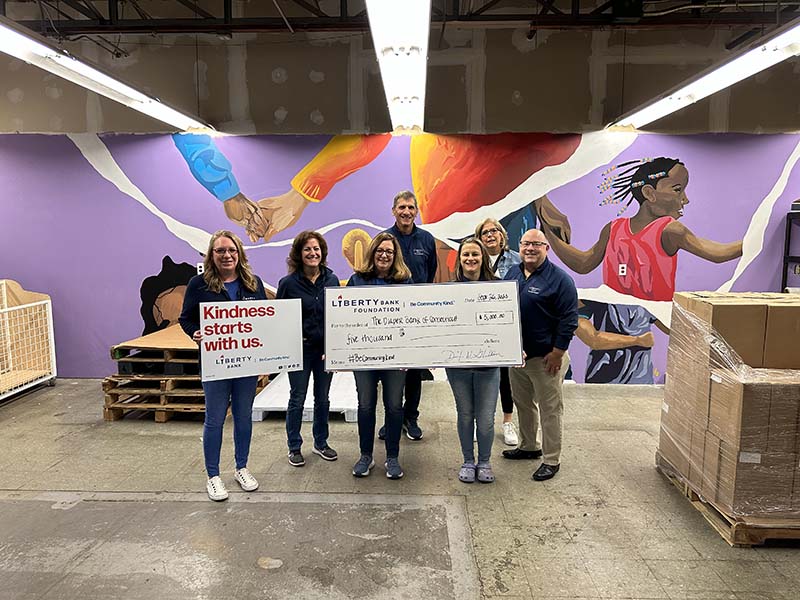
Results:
308 277
384 266
502 258
475 389
227 277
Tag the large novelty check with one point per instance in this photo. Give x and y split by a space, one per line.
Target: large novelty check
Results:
437 325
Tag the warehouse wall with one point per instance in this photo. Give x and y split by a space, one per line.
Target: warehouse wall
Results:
478 81
100 223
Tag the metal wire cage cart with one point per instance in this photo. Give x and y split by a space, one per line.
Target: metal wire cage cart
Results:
27 347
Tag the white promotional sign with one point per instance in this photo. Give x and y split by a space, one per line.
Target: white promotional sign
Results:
250 338
430 325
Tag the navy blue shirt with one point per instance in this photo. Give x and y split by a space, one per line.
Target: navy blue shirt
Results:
419 253
312 297
357 279
197 291
463 279
233 287
548 306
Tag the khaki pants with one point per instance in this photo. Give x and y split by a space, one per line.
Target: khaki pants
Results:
537 396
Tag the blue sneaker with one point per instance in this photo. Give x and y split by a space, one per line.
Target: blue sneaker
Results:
393 468
412 429
363 466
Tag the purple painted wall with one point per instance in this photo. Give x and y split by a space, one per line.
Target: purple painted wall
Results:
69 232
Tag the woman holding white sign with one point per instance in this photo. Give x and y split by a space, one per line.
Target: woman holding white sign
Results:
384 266
308 277
226 277
475 389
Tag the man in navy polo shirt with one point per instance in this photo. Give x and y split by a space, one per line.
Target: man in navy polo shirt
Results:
419 252
548 305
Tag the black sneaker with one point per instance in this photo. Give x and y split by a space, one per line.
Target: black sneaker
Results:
382 433
413 431
296 458
327 453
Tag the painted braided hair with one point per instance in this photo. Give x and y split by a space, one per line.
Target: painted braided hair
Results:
626 180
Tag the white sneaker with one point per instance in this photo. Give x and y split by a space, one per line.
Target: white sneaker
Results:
216 489
510 435
245 480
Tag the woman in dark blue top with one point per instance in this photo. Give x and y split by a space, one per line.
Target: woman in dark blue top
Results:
475 389
308 277
226 277
384 266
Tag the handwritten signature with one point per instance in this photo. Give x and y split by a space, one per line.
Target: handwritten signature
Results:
468 354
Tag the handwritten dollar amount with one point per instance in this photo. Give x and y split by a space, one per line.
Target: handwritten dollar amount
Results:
495 316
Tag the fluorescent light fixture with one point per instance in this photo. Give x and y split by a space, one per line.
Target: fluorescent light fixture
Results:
400 30
36 51
784 45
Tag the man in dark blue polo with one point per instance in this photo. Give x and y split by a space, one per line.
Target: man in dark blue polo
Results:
548 304
419 252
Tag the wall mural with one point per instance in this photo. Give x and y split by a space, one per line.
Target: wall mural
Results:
113 226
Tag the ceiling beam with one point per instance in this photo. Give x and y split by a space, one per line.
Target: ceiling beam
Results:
229 24
484 8
83 9
547 5
196 9
314 10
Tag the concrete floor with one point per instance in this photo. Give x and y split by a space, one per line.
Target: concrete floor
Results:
90 509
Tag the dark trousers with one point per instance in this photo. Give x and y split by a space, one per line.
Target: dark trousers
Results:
298 387
505 392
413 394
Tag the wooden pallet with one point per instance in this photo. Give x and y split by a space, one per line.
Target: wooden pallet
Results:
156 362
177 385
737 531
165 352
164 396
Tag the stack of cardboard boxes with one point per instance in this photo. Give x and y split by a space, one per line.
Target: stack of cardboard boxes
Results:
730 424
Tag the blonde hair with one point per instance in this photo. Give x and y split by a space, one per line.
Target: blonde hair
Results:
399 270
497 224
243 270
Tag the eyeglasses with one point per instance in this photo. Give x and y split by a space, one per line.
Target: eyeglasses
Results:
224 251
493 231
384 251
532 244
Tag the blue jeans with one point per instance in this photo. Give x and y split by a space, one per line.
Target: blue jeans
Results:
367 390
298 383
239 393
475 391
